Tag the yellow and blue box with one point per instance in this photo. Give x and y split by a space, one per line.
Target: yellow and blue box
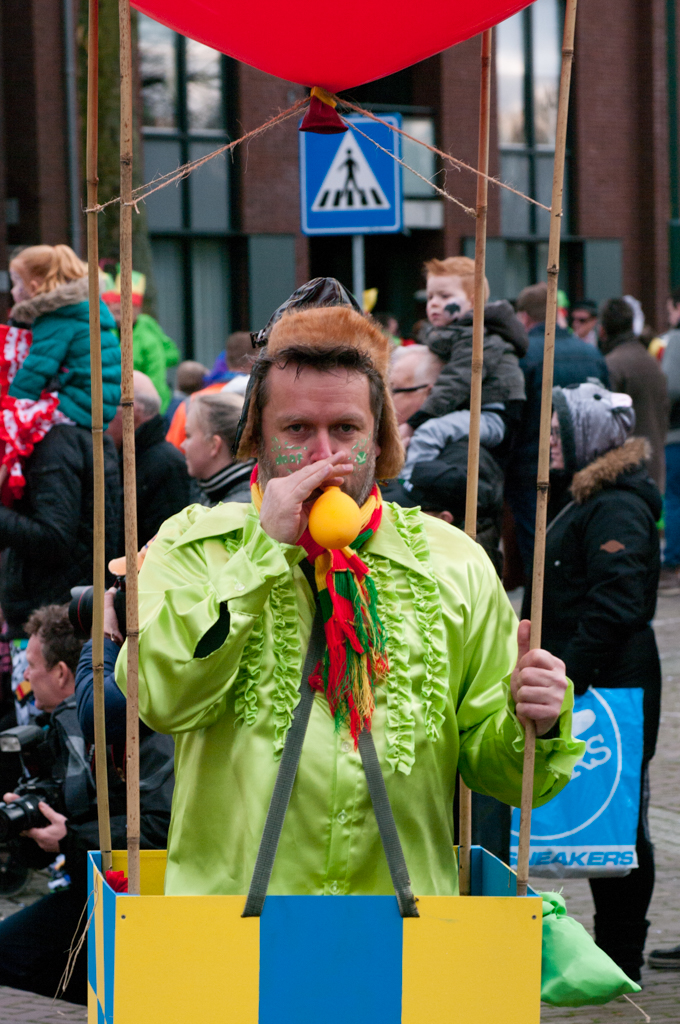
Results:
155 959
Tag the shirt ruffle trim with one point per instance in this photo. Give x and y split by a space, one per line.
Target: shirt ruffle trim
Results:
428 611
246 703
400 718
245 700
287 655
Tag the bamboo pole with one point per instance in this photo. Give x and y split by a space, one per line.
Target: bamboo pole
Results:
98 569
129 470
465 796
543 479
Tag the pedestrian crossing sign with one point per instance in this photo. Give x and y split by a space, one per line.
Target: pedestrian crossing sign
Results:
349 186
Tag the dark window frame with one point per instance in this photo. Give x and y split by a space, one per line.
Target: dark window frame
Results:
533 152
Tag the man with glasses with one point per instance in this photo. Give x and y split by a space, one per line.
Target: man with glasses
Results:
414 372
584 320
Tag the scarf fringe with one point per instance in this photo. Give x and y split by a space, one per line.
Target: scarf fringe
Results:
355 658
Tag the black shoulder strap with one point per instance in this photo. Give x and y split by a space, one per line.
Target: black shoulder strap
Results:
285 778
387 826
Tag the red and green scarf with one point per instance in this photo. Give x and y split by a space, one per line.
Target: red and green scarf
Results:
355 658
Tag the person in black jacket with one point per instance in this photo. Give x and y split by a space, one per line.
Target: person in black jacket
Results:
163 483
601 575
575 362
47 534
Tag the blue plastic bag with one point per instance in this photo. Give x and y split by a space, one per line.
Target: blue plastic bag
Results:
590 828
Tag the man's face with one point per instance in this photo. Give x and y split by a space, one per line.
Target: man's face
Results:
441 292
311 415
50 685
407 394
582 322
200 449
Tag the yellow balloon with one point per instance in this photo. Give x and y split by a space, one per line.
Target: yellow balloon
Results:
335 519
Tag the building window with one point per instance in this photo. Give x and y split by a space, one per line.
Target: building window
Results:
422 206
528 61
184 87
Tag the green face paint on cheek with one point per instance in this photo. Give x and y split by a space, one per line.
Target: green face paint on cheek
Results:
290 455
360 450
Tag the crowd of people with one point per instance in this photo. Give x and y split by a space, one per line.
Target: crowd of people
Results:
615 451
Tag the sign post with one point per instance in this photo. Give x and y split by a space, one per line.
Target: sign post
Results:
358 267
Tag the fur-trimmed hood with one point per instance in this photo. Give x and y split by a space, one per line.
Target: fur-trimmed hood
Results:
69 294
607 470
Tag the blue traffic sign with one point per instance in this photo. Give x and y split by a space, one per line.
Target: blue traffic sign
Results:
347 185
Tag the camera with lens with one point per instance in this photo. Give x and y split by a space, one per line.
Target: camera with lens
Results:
80 610
28 741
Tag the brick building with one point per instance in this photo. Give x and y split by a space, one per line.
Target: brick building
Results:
226 243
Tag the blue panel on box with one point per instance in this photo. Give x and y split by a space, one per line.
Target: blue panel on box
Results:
93 859
330 959
498 880
101 1019
109 949
490 876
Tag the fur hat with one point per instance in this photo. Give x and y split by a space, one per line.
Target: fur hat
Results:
326 328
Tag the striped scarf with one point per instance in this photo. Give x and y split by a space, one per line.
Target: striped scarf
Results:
355 657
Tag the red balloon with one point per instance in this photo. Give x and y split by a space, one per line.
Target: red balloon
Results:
335 46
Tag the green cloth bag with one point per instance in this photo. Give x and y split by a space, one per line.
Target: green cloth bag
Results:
574 971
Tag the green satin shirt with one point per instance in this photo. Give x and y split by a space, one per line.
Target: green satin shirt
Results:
445 705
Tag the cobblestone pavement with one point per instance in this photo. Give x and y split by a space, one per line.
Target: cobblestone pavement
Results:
25 1008
659 1002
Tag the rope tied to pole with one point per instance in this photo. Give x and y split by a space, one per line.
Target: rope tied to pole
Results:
142 192
185 170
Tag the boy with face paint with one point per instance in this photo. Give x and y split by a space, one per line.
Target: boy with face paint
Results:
448 334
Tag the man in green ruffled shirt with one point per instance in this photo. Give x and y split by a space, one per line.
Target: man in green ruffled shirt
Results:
225 619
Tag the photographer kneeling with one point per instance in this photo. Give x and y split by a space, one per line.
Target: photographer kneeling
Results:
35 942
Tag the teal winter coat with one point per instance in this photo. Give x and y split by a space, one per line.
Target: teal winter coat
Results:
59 357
